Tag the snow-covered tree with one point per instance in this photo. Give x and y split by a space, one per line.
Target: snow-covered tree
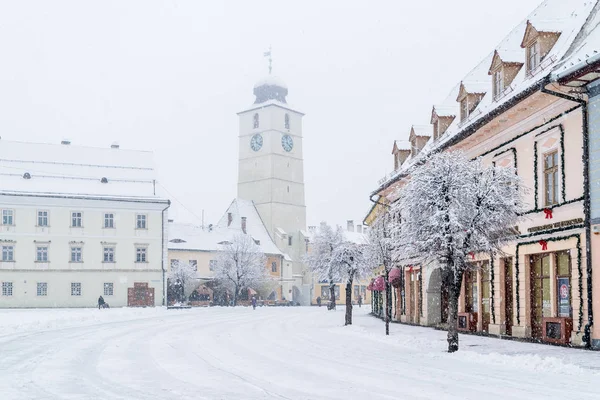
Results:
183 279
379 253
240 265
320 260
451 209
351 264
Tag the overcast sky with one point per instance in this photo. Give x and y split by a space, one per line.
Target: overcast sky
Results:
169 76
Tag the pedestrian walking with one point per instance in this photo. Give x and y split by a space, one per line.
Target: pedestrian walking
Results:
254 302
100 302
319 301
359 300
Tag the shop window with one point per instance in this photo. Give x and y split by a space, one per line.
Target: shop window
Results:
471 291
325 292
540 292
551 178
563 284
486 295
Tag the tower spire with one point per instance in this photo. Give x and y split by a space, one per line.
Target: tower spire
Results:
268 54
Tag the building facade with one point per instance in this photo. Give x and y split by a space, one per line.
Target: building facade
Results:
78 223
511 110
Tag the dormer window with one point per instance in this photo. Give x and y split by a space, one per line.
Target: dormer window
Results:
498 83
441 119
464 109
533 56
256 124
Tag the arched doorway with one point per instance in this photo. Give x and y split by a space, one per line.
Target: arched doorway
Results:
296 295
437 298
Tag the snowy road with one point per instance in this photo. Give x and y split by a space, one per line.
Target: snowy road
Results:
270 353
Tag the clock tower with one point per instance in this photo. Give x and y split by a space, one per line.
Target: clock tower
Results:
271 170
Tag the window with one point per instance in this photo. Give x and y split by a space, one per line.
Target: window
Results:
140 254
533 57
42 218
8 217
325 292
256 124
8 253
563 283
42 289
471 291
174 263
108 254
274 266
212 265
7 288
464 109
287 121
76 219
75 288
289 240
108 288
41 254
76 254
141 221
551 178
194 264
498 83
109 220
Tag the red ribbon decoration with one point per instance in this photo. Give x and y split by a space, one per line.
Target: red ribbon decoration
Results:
548 212
544 244
410 268
472 255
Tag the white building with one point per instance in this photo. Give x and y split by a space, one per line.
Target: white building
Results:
77 223
271 174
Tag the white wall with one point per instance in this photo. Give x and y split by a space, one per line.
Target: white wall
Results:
59 271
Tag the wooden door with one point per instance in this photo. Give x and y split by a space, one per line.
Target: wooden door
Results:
411 299
540 292
486 296
508 295
140 295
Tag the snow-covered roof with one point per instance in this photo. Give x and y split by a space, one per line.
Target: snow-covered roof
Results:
196 238
566 17
422 130
66 169
446 110
271 80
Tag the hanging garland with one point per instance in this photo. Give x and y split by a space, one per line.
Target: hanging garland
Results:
492 279
535 177
562 162
514 151
579 270
421 292
529 131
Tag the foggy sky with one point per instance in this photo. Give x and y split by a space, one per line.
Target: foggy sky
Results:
169 76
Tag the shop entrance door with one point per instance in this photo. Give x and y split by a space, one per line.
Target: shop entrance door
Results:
508 295
540 292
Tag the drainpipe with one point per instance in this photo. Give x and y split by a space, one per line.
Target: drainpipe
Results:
587 338
162 258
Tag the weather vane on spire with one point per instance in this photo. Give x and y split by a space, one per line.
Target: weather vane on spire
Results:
268 54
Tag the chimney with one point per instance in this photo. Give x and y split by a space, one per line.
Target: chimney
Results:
350 225
229 219
244 224
312 228
65 142
359 228
115 145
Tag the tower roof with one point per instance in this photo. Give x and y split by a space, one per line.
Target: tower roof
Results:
270 88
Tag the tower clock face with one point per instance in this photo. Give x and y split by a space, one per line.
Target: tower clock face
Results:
287 143
256 142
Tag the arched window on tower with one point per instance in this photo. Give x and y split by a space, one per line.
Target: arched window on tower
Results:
287 121
256 120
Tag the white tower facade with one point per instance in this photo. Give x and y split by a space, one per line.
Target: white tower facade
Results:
271 173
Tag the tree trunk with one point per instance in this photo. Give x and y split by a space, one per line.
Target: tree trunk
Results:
235 296
331 295
349 302
454 293
388 303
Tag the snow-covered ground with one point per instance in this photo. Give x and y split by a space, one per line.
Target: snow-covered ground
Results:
284 353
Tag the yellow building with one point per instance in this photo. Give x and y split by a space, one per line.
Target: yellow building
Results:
200 246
